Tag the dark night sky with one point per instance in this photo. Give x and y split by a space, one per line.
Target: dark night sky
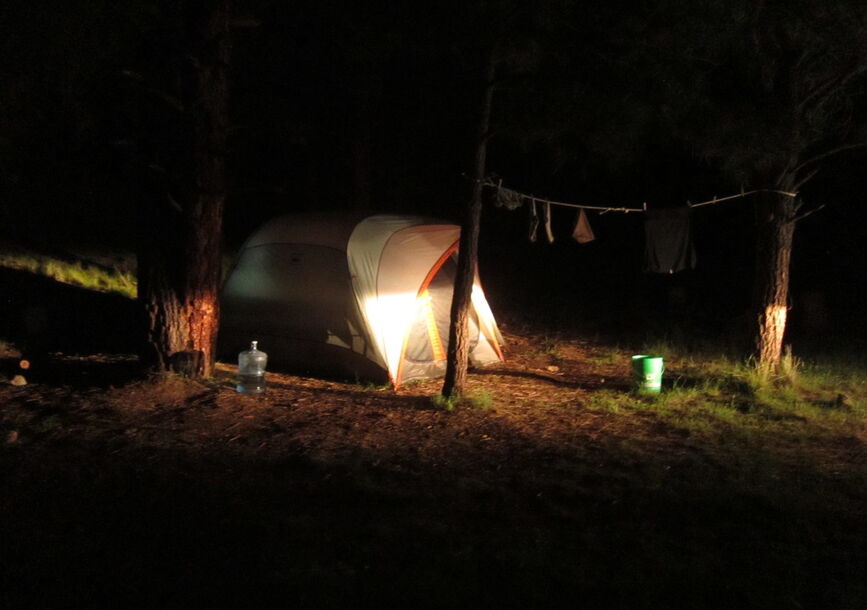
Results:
316 80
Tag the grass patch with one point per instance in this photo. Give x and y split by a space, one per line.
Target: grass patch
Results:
370 386
88 269
605 356
725 399
552 346
482 400
107 275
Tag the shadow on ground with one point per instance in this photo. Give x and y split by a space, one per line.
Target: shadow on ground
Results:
117 525
41 315
95 371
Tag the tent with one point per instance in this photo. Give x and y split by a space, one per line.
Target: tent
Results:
363 299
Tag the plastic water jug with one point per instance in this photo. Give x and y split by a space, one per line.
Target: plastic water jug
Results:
251 370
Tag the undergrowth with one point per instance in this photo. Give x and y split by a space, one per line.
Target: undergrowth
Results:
115 278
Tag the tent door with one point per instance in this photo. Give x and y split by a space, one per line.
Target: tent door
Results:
427 340
438 351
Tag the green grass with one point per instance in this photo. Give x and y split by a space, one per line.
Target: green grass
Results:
107 275
606 356
90 269
482 400
370 386
728 402
551 345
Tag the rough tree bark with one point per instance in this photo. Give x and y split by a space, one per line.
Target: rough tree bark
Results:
180 265
774 240
457 357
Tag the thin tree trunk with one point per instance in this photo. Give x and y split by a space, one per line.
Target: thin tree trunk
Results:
180 266
459 340
776 230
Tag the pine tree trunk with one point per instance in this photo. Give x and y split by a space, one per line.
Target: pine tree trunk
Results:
776 230
457 358
180 265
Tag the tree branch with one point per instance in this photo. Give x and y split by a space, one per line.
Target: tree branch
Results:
829 153
805 179
825 90
805 214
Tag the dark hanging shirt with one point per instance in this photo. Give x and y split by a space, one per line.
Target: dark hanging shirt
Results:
668 242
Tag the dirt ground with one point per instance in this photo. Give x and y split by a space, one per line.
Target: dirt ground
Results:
321 494
325 417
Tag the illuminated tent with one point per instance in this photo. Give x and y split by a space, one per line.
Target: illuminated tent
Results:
338 297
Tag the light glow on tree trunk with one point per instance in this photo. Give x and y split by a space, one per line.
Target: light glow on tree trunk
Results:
772 325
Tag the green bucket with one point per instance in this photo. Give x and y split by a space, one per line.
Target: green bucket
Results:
647 373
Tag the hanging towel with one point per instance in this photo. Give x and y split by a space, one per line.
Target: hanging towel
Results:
534 221
582 233
509 199
546 219
668 241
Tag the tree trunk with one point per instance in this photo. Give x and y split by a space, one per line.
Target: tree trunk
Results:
776 230
180 265
459 340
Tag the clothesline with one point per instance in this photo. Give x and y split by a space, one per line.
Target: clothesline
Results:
741 194
668 240
508 195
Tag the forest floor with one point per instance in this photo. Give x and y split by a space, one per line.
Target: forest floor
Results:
552 486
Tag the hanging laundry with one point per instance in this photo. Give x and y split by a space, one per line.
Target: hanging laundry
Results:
534 221
546 220
582 232
509 199
668 241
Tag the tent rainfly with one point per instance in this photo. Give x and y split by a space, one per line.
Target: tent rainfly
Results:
365 300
